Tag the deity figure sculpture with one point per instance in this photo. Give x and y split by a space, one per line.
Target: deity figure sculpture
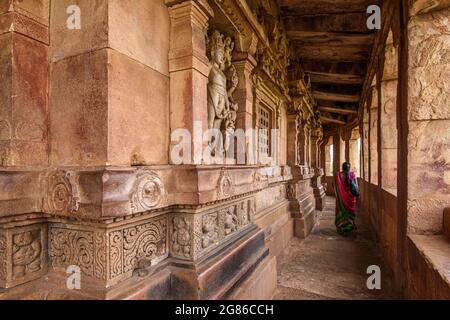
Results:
222 83
26 254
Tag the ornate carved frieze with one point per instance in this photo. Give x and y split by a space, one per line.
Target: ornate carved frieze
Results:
61 196
182 237
108 256
195 234
148 192
22 254
85 249
270 196
273 56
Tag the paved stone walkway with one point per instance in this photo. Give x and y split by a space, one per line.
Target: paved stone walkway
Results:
329 266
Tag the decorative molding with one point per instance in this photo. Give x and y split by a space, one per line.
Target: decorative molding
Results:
225 186
148 192
61 196
109 256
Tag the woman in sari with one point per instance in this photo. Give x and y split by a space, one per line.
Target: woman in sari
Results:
347 194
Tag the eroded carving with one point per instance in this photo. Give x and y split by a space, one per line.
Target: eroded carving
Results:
225 187
149 192
210 229
61 196
26 253
181 237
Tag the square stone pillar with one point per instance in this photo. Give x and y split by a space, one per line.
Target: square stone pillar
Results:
109 91
316 184
24 42
189 68
299 191
244 64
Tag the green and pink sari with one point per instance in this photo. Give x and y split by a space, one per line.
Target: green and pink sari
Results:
345 205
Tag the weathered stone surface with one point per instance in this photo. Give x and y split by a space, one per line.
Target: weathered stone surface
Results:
138 104
428 180
35 9
428 259
389 170
79 110
23 126
390 63
92 36
429 97
149 47
389 114
446 224
429 42
22 254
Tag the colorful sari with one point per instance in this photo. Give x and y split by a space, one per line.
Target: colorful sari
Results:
345 205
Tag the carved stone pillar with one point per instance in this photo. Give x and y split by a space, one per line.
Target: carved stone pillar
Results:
319 192
189 67
244 64
23 138
300 193
24 83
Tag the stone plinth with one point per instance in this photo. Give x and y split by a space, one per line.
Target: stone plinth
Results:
318 188
302 202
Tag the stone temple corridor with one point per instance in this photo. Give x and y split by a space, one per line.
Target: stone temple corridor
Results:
329 266
187 149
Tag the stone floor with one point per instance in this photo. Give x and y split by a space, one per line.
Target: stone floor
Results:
328 266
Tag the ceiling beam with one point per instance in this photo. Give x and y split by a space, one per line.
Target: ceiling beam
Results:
336 97
331 120
302 37
327 52
338 110
343 22
336 78
326 6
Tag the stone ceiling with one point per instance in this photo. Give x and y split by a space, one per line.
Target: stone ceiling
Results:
332 39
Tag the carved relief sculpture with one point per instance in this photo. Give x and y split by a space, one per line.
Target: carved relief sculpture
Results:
61 196
222 82
26 253
181 237
149 192
210 230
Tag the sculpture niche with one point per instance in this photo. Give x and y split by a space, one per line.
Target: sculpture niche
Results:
222 82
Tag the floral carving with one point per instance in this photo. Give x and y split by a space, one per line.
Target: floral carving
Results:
72 247
115 254
144 242
149 192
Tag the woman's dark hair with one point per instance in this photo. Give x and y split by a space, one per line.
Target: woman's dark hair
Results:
346 170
